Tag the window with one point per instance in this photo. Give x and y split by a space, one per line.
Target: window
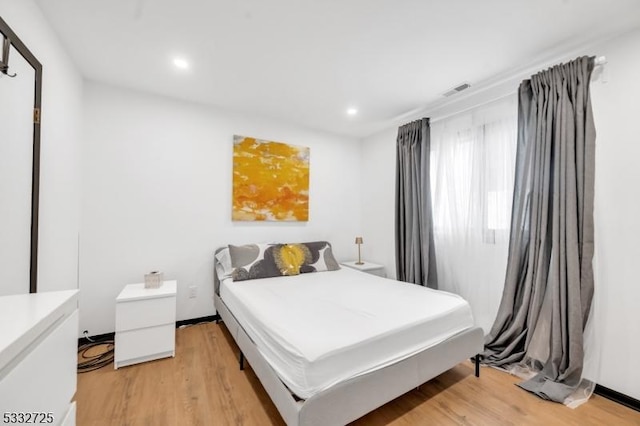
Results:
472 176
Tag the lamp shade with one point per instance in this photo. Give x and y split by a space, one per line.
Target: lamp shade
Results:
358 240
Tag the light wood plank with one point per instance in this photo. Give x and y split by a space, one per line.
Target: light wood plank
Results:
203 385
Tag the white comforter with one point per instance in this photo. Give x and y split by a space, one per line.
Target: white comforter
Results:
318 329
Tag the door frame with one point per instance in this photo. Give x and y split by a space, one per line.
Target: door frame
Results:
20 47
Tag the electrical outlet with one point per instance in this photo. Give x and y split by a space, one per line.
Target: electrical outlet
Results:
193 292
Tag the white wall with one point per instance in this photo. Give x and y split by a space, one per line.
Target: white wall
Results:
157 195
617 213
378 199
60 143
616 317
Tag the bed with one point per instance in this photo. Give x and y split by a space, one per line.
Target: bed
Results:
330 347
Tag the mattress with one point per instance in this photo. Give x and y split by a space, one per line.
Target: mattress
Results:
318 329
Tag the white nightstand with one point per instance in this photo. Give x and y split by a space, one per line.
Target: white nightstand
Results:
145 323
368 267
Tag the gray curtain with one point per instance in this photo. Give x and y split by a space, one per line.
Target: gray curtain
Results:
415 254
549 280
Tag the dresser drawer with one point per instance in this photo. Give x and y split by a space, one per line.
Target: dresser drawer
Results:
45 378
144 345
70 417
135 314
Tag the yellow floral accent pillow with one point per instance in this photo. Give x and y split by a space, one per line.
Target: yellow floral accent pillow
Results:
290 258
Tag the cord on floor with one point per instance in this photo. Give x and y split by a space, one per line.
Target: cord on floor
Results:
88 363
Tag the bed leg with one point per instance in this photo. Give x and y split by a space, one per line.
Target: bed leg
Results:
477 361
241 361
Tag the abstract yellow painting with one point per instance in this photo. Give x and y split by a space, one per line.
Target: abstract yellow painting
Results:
270 181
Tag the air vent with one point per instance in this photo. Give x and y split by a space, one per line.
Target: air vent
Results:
457 89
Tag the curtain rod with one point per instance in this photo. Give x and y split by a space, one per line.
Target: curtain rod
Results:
600 61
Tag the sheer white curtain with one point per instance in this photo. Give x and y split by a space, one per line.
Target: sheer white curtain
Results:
472 175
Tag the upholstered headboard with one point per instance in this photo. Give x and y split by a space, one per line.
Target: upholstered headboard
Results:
216 280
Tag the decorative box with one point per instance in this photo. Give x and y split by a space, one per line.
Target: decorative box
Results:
153 279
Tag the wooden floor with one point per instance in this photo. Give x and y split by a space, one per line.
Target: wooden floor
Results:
203 385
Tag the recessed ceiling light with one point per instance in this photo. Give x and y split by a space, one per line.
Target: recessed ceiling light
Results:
181 63
352 111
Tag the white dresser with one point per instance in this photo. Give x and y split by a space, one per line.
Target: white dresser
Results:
38 358
368 267
145 323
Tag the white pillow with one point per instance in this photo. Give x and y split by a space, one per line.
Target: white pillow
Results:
223 264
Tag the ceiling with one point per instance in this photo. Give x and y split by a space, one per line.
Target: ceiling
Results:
307 61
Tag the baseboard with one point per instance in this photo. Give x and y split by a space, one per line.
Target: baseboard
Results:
181 323
193 321
618 397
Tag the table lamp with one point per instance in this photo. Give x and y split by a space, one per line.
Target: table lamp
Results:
358 242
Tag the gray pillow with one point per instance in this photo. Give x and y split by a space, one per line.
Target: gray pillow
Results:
321 258
254 261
